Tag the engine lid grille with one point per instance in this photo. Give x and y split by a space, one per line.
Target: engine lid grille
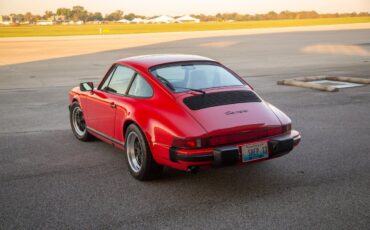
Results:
220 98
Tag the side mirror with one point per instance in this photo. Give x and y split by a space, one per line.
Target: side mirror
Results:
86 86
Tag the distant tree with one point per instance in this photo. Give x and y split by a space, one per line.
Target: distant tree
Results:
97 16
307 14
20 17
131 16
48 14
28 17
363 14
272 15
287 15
67 13
240 17
259 17
36 17
229 16
17 17
79 13
219 17
115 16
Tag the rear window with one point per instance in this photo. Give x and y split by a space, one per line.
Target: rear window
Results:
184 76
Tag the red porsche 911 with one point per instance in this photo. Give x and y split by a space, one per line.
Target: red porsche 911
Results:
182 111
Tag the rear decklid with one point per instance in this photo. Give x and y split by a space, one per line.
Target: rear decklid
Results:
230 112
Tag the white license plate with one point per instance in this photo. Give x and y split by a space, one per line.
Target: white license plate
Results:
255 151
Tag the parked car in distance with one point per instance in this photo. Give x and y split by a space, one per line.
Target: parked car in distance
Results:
182 111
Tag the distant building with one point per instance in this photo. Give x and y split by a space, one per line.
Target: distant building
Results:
123 21
44 22
71 22
94 22
58 19
187 18
162 19
6 20
137 20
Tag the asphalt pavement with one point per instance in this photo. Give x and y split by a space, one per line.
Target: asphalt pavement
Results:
50 180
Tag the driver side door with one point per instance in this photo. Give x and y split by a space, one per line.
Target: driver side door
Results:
102 104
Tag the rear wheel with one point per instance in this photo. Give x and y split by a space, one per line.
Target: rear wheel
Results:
138 155
78 123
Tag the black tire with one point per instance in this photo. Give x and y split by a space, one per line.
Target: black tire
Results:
149 169
78 127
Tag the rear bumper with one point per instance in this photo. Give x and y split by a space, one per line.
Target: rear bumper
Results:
231 155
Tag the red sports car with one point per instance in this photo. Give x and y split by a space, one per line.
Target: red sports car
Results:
182 111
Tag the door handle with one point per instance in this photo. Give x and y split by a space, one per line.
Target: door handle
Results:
113 105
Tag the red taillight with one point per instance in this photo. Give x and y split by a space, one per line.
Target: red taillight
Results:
187 143
286 127
273 131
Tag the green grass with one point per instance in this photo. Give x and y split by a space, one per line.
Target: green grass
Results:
67 30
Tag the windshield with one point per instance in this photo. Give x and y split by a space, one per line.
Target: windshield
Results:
181 77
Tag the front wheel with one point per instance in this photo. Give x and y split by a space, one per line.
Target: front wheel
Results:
78 123
138 155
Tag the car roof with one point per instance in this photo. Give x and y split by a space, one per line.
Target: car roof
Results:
148 61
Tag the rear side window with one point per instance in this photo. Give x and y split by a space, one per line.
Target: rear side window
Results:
120 80
140 88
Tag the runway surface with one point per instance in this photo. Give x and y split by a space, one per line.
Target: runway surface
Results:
15 50
49 180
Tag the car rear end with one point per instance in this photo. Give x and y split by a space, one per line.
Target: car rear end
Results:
240 128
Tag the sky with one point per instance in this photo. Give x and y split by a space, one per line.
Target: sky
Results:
181 7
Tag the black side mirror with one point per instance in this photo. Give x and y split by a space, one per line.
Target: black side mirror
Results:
86 86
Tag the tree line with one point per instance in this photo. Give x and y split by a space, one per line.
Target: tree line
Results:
79 13
272 15
76 13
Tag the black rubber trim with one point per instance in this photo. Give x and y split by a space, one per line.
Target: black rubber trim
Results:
221 156
173 154
280 146
195 158
226 156
105 136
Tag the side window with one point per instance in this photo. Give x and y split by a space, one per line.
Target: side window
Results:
120 80
107 80
140 88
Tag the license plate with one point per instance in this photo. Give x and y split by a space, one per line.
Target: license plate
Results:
255 151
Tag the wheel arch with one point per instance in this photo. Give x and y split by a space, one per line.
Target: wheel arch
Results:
126 124
143 129
73 100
